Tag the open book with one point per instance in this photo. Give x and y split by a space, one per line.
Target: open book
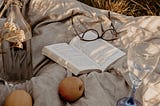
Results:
81 57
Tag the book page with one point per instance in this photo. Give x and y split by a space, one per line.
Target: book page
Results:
102 52
69 57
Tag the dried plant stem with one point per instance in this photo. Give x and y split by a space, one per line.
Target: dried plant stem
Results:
128 7
109 4
139 4
5 7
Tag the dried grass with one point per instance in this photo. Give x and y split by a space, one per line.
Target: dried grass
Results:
128 7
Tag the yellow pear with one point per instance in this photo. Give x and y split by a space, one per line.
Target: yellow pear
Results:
18 98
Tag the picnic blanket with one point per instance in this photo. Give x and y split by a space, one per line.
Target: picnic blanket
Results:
50 21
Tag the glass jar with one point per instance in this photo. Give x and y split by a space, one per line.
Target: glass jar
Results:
16 46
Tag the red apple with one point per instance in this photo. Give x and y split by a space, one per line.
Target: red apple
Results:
71 88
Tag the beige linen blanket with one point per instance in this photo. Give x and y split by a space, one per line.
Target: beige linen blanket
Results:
51 23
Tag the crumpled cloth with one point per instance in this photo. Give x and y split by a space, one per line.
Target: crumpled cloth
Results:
50 21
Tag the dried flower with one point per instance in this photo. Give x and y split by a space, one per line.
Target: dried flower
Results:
13 34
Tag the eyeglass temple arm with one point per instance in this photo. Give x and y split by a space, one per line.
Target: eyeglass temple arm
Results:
74 26
114 29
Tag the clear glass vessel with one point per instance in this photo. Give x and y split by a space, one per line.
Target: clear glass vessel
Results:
16 46
142 59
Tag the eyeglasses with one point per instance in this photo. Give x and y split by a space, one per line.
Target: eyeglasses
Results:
107 35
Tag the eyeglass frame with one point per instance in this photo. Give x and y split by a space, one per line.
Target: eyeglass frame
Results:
112 29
